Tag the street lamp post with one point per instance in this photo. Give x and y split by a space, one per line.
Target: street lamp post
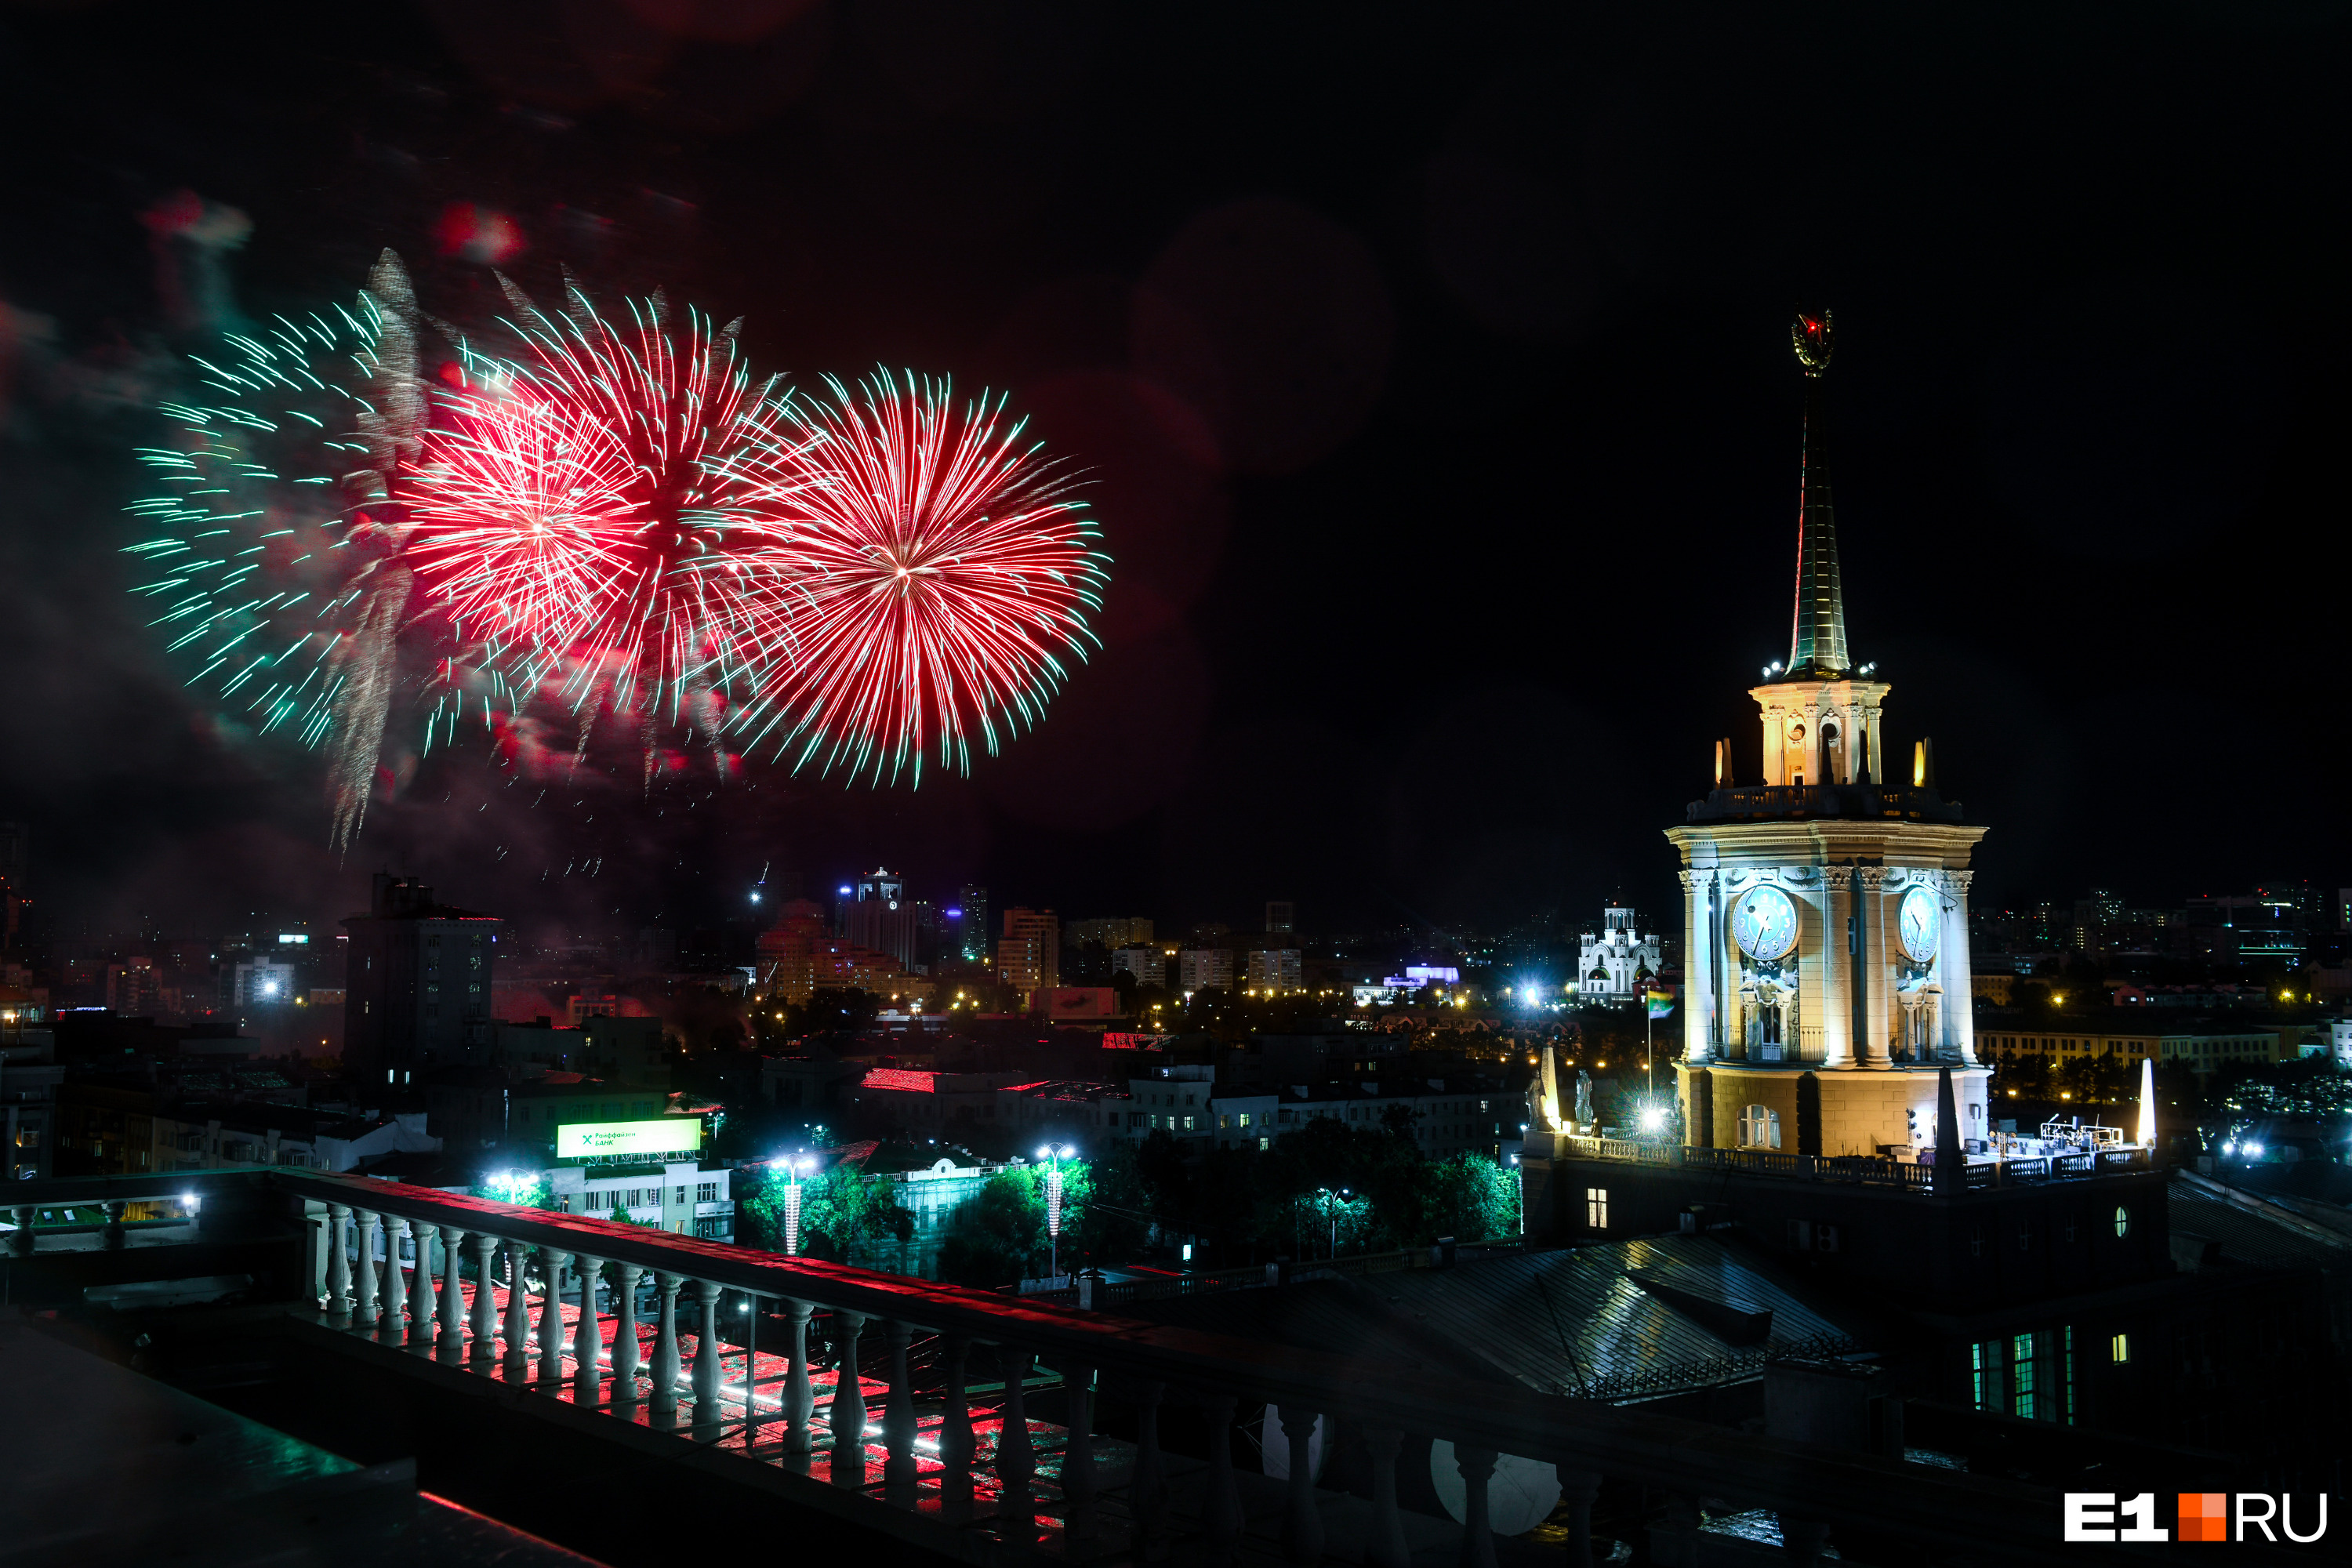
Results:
1332 1203
793 1169
1054 1155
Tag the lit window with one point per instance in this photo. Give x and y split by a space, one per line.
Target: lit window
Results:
1759 1128
2119 1348
2021 1378
2123 1220
1596 1208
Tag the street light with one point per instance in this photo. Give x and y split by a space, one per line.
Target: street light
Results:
1054 1155
794 1169
1332 1203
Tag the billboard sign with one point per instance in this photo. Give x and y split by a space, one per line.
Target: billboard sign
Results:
614 1140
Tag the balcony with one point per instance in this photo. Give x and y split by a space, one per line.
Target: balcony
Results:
965 1424
1749 802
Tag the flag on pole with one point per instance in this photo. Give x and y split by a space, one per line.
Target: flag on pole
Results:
1661 1000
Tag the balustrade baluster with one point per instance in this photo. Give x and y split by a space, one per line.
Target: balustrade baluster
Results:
1477 1468
111 1237
339 1267
1016 1456
625 1353
422 1302
485 1320
363 1268
1302 1521
1146 1487
1220 1506
899 1467
588 1337
665 1392
452 1339
393 1324
800 1394
955 1431
705 1357
846 1414
551 1315
1386 1549
518 1327
1579 1489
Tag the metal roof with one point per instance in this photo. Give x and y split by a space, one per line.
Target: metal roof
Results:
1584 1322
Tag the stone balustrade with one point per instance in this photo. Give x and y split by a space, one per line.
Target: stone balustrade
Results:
483 1287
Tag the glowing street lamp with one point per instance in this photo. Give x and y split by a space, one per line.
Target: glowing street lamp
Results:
794 1169
1332 1203
1053 1155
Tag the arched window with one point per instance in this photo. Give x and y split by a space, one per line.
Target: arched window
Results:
2123 1220
1759 1128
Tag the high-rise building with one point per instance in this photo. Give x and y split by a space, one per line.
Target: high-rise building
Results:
15 866
882 919
1825 915
1204 969
1281 916
258 983
419 982
1029 955
973 900
134 987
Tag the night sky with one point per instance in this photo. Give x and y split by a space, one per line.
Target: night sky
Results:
1431 368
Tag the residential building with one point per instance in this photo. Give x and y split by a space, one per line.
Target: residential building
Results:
1115 932
418 989
1281 916
29 1076
1275 969
798 957
883 919
1204 969
1148 964
1029 955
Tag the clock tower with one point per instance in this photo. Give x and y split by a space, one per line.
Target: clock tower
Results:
1825 906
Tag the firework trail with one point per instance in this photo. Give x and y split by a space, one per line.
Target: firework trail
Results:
600 516
273 533
938 577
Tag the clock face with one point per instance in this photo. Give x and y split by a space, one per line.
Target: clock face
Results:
1919 924
1764 924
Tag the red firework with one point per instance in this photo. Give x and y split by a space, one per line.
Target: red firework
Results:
938 576
584 514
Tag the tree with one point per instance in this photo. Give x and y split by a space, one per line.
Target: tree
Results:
839 1208
997 1236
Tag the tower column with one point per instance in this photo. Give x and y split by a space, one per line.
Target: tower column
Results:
1836 1011
1872 1002
1698 947
1955 973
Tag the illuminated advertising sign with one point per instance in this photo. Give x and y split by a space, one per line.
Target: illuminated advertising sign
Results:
607 1140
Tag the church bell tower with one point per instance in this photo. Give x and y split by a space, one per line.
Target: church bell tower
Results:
1825 905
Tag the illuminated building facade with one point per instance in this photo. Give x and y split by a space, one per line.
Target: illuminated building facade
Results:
1825 914
419 984
1614 963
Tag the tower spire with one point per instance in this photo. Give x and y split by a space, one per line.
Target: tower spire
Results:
1817 640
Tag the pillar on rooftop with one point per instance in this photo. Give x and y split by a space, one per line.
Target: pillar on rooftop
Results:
706 1356
1302 1521
363 1276
518 1324
1386 1547
1477 1468
800 1394
550 1314
846 1414
588 1337
453 1291
421 1299
664 1403
625 1334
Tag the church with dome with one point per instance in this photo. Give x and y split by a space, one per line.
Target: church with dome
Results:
1825 902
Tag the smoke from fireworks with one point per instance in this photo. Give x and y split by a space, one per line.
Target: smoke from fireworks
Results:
279 554
940 575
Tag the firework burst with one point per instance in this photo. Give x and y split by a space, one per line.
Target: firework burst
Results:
275 550
938 576
588 515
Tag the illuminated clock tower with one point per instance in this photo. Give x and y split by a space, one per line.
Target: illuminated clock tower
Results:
1825 906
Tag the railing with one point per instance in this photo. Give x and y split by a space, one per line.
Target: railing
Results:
1823 800
486 1298
1867 1169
